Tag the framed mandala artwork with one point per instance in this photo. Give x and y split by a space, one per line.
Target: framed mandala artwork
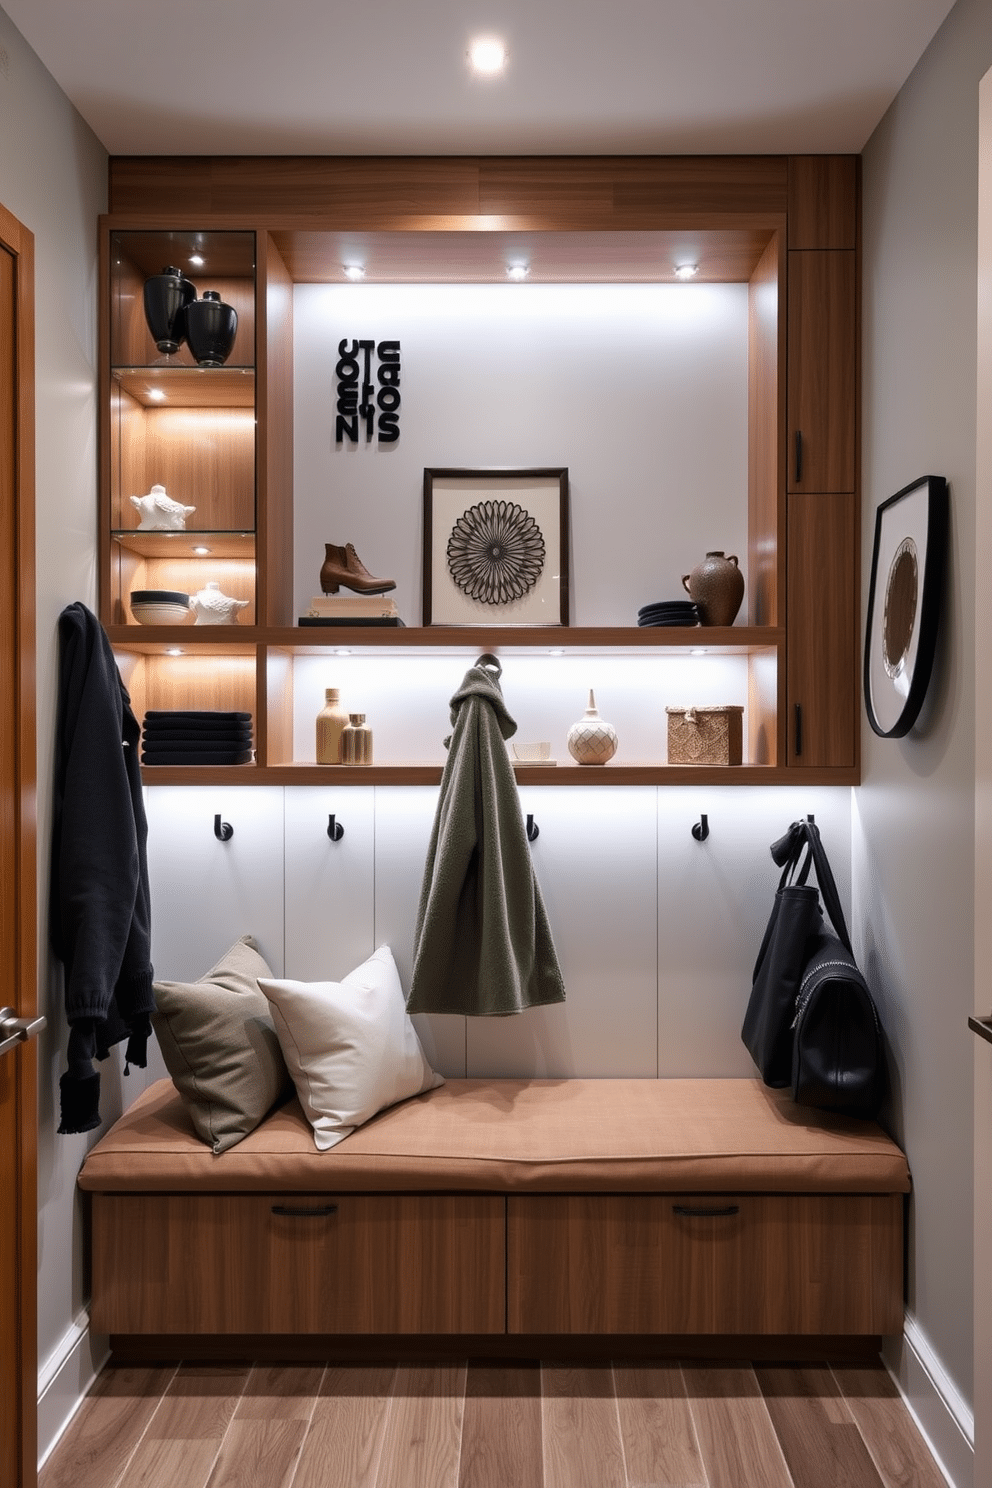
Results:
496 546
904 602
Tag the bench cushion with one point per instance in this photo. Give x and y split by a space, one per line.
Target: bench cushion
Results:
543 1136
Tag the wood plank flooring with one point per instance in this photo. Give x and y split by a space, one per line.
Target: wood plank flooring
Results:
485 1424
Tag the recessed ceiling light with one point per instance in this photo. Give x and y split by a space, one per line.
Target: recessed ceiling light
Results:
487 54
354 271
556 651
342 651
517 271
686 270
174 651
201 551
156 394
197 259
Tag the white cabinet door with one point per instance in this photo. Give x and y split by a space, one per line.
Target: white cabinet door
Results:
404 816
714 899
207 893
596 863
330 925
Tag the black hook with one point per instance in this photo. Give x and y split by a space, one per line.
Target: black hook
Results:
533 830
334 828
702 829
223 830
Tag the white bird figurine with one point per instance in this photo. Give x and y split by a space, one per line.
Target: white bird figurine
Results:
211 607
159 513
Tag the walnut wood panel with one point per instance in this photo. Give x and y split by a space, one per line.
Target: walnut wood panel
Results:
189 387
765 402
822 378
228 1264
777 1264
225 683
823 632
353 191
18 833
724 256
205 457
275 437
763 744
823 201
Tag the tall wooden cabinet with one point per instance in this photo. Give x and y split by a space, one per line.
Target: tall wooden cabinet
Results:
788 228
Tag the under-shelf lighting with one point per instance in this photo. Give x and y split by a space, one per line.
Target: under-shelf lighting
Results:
201 551
556 651
686 270
487 55
174 651
197 260
517 271
342 651
355 272
156 394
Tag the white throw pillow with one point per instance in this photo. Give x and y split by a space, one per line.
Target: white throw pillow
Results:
350 1046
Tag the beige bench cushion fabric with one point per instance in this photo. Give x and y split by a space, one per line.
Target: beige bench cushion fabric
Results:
580 1136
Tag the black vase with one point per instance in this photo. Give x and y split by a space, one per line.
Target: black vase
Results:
166 297
211 327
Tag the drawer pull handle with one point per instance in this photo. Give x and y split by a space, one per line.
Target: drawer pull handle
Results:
707 1211
320 1212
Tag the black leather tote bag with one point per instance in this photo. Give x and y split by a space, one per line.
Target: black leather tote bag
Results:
811 1023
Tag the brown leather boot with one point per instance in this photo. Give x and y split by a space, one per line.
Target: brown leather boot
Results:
342 566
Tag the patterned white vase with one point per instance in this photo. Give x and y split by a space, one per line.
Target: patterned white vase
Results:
592 741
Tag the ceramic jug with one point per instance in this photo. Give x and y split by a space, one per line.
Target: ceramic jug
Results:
716 588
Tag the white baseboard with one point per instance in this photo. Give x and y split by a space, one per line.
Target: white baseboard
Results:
64 1379
934 1401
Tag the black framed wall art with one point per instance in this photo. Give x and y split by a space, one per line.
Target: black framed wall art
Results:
904 603
496 546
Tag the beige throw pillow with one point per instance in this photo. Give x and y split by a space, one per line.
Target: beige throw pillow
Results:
220 1046
350 1046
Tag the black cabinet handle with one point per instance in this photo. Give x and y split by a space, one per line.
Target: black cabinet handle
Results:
705 1211
799 456
799 729
320 1211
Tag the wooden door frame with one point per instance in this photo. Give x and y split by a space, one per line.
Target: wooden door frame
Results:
19 720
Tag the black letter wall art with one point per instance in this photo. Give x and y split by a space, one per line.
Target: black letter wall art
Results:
375 403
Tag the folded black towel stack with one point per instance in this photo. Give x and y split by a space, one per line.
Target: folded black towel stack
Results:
196 737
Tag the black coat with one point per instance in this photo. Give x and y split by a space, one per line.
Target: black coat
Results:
99 908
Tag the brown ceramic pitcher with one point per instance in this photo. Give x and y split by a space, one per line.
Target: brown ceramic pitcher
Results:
716 587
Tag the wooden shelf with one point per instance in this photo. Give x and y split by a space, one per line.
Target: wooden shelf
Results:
184 544
727 640
188 387
566 776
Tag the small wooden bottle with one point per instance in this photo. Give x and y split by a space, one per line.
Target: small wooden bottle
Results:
356 741
331 723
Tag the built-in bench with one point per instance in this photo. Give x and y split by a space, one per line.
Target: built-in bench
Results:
504 1209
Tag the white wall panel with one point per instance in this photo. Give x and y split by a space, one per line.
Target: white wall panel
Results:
595 860
714 899
404 818
330 926
206 893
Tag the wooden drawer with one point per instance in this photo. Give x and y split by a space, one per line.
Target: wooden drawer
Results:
775 1263
240 1263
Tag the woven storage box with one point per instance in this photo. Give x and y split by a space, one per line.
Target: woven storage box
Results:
705 736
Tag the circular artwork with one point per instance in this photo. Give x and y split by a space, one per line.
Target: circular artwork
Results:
496 552
901 592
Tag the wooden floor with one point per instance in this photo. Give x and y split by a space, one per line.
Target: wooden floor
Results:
492 1425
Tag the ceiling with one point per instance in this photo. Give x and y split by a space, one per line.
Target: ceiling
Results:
322 77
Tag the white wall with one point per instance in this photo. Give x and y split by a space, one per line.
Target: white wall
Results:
914 815
53 177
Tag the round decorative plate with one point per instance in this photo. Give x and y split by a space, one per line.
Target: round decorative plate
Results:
496 552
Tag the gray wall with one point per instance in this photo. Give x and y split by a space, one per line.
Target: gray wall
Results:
53 178
913 826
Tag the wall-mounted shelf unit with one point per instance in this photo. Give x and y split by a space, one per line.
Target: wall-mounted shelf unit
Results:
221 439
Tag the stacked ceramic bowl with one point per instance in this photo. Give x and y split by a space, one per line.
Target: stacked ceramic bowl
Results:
668 612
159 606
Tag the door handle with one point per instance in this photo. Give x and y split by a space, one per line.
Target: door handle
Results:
15 1030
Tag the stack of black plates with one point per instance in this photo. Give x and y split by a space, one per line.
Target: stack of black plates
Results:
196 737
668 612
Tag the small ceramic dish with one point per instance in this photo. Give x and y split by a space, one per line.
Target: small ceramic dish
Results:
159 606
532 754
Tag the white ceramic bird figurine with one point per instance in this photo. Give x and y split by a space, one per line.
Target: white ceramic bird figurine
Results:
211 607
159 513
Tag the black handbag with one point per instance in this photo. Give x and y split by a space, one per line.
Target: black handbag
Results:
811 1022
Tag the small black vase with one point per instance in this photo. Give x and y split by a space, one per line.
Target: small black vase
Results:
166 296
211 327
